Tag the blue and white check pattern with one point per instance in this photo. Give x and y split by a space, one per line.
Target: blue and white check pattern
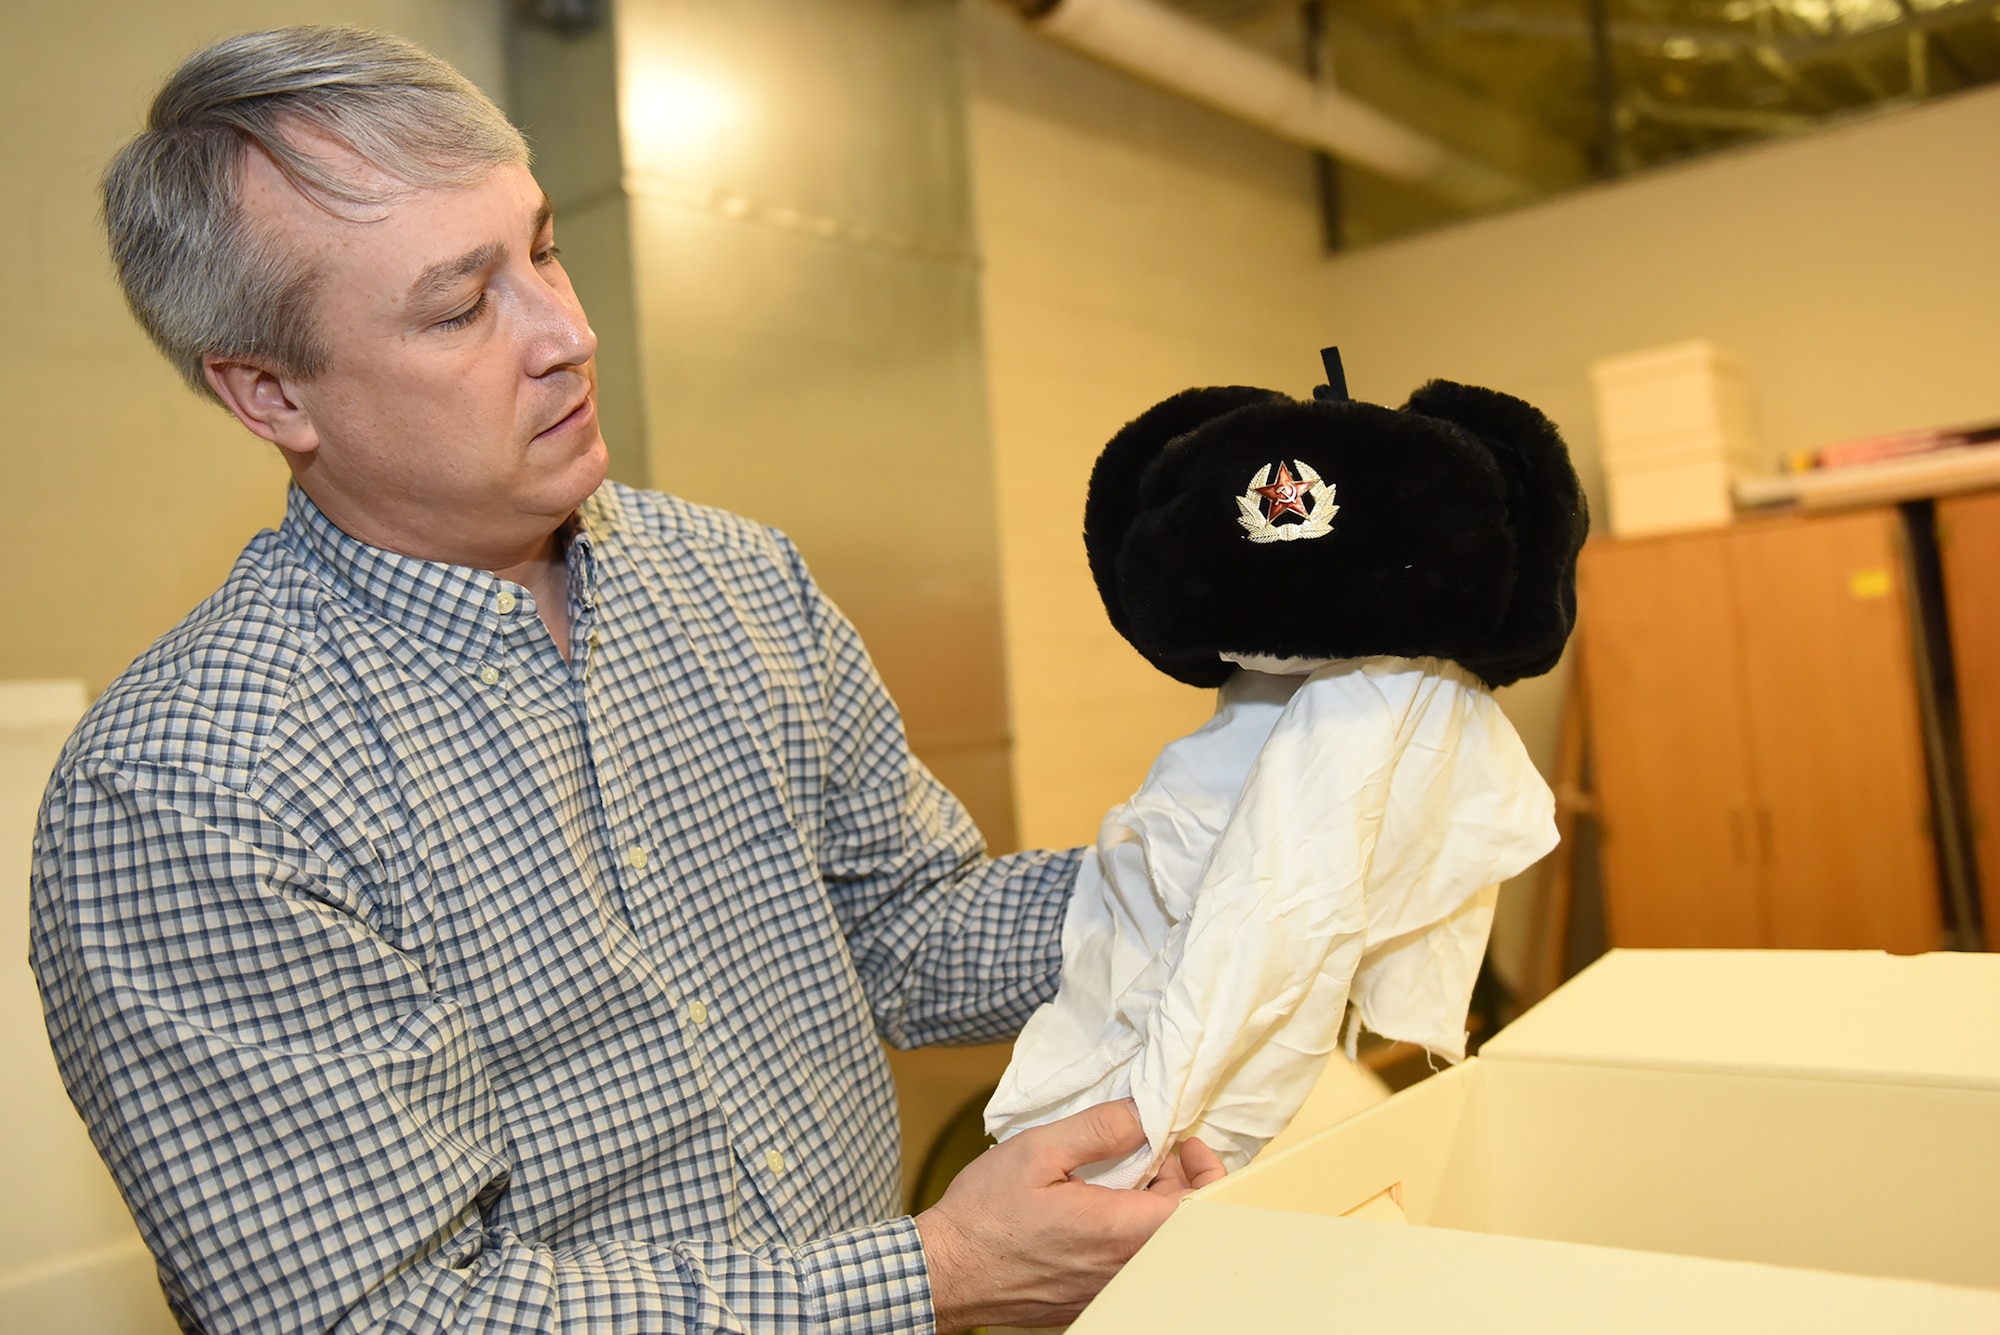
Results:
410 978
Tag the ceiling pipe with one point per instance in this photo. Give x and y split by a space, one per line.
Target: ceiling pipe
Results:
1155 43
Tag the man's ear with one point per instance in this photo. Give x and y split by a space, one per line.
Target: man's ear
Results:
263 402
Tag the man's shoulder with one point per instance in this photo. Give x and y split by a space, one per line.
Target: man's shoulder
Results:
659 517
725 543
207 694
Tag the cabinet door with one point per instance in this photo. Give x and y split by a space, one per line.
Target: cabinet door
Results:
1671 770
1829 681
1969 533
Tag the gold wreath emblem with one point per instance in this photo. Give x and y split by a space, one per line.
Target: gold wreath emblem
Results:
1316 523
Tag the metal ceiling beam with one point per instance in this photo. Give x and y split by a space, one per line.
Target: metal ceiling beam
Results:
1934 42
1326 168
1654 36
1852 58
1147 39
1378 66
1774 62
1715 118
1610 153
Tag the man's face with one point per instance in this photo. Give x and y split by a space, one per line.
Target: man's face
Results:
457 418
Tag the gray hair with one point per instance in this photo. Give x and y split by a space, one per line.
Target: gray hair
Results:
199 279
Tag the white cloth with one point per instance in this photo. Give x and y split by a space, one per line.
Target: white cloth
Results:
1325 840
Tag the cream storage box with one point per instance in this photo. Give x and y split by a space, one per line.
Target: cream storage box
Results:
1674 1141
1673 431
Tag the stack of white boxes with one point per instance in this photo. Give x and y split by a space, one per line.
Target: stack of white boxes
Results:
1673 428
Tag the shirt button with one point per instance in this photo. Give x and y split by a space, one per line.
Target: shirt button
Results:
775 1162
636 857
698 1012
490 675
506 601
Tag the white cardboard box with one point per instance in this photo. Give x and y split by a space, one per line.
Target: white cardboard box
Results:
1675 1141
1678 389
1673 447
1673 426
1670 497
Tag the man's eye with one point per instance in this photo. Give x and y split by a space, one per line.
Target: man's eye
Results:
548 254
464 317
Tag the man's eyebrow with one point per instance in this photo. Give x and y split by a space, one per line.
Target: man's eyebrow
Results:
437 280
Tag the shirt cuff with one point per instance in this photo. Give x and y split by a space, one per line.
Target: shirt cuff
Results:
871 1281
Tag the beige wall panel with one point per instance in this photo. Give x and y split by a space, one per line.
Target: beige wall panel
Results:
807 301
123 497
1134 246
834 391
849 110
1850 270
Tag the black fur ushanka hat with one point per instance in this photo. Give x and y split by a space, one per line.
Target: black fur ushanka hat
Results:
1239 520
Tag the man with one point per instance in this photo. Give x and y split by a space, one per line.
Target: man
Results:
479 914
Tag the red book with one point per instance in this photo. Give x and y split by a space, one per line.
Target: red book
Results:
1899 444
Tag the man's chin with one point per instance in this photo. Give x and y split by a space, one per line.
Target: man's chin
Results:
583 475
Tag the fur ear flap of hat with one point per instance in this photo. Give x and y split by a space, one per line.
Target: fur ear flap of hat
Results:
1112 504
1243 521
1546 510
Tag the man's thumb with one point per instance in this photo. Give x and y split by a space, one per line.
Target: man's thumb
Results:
1107 1131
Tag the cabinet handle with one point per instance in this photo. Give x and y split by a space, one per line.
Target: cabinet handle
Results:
1738 842
1765 843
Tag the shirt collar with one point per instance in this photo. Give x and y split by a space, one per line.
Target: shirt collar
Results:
455 608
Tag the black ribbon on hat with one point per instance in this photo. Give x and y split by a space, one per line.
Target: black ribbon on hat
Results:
1335 388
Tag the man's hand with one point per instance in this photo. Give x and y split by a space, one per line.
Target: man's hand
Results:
1016 1242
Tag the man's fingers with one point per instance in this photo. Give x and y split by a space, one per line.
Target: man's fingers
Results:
1193 1166
1171 1180
1200 1163
1017 1241
1106 1131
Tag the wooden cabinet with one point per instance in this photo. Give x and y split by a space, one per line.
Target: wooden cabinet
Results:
1969 540
1670 744
1757 740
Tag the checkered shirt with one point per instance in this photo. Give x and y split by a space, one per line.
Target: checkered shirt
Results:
410 978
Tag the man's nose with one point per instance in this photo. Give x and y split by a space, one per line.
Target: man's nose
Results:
562 335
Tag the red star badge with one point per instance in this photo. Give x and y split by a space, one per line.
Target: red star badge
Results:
1287 494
